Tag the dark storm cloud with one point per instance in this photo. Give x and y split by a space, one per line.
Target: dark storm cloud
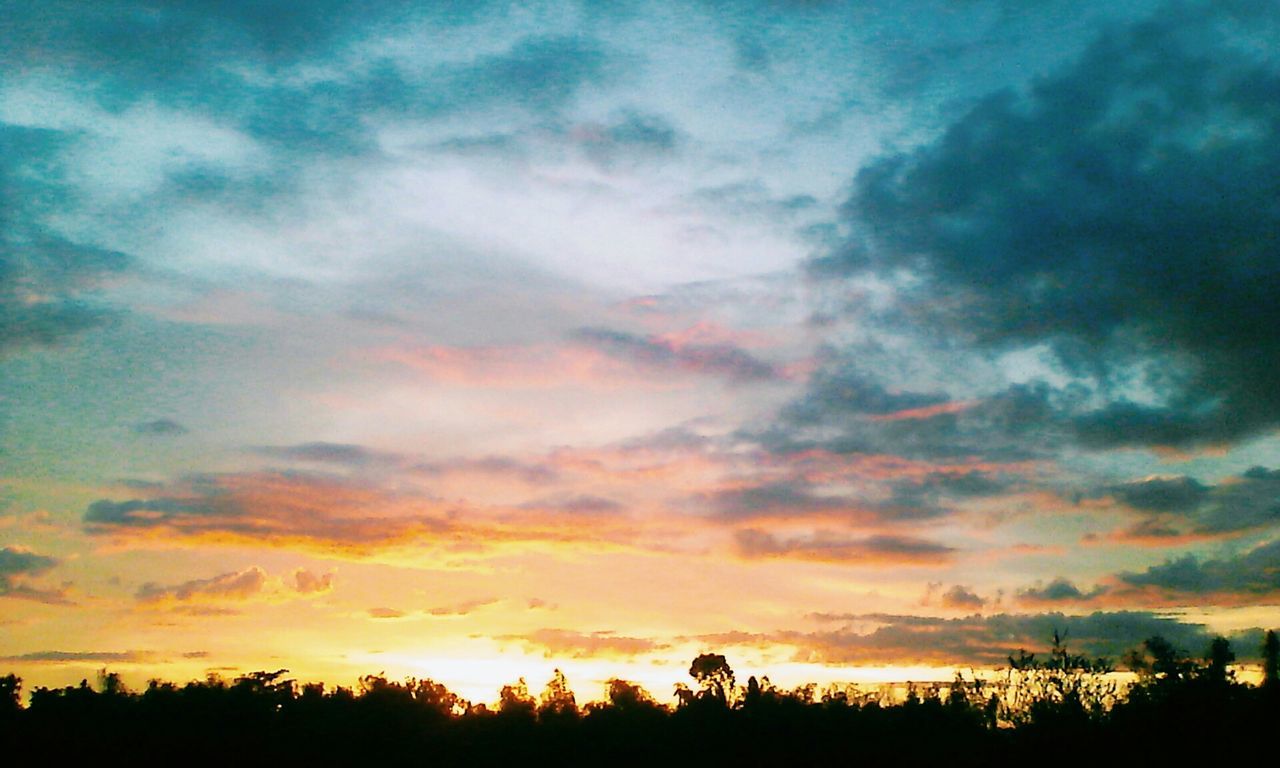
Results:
1122 213
1245 502
725 360
1253 573
46 280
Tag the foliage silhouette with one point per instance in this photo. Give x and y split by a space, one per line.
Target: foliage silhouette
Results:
1059 708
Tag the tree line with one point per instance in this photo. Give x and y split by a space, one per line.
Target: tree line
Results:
1055 708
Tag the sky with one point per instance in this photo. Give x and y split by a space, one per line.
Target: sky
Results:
854 341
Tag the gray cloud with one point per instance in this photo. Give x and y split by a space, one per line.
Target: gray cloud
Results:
1058 590
1248 575
961 597
327 453
827 546
160 428
725 360
987 640
576 504
1181 504
1120 213
1020 422
18 566
88 657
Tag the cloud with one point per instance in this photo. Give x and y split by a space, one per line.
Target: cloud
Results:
1018 423
1121 214
345 454
962 598
307 583
1238 579
533 473
576 504
160 428
830 547
271 508
1160 494
1058 590
385 613
47 280
85 657
565 643
233 586
336 516
839 387
982 640
464 608
17 567
666 353
1179 507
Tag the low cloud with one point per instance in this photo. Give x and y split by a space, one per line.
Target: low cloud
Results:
673 354
563 643
85 657
160 428
307 583
1239 579
831 547
18 567
984 640
1058 590
233 586
961 598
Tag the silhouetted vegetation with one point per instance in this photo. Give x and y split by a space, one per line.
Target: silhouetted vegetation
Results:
1059 709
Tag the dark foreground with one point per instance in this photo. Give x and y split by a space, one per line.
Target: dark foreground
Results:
1065 711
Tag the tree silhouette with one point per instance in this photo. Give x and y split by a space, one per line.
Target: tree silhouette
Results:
1271 661
713 673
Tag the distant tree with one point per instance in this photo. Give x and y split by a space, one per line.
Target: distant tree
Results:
1220 658
557 699
10 695
1159 659
713 673
110 684
1271 661
627 696
437 698
514 700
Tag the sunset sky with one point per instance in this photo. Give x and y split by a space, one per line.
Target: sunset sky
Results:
854 341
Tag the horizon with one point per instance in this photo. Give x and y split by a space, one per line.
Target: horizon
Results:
471 342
